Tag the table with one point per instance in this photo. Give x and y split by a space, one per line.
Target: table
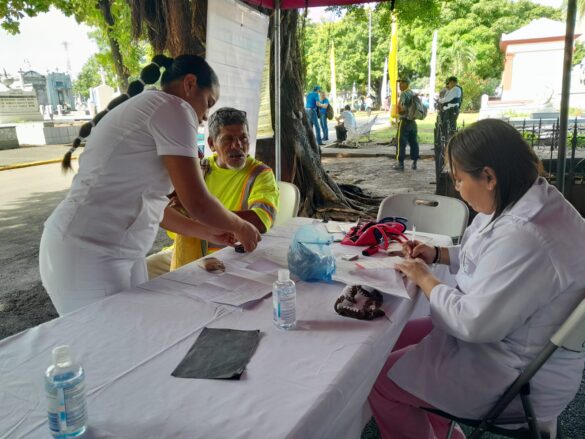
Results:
310 382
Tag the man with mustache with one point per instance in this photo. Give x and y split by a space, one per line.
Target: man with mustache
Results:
242 184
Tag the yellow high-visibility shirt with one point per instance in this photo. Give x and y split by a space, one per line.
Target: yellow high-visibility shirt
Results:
250 188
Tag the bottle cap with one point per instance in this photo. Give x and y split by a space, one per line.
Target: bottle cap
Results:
62 356
283 275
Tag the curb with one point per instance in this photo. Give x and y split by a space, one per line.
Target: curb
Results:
29 164
365 155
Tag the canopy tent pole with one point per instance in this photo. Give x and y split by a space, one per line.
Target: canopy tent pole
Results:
565 94
277 155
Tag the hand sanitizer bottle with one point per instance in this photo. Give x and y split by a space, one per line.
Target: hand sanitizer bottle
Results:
284 301
65 390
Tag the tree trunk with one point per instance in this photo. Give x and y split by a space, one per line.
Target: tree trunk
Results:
105 6
301 156
168 29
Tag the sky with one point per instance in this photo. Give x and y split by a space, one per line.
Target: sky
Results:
39 46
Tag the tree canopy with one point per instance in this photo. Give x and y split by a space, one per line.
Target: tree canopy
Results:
119 55
469 32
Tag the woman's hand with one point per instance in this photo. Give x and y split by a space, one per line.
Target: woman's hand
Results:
418 271
223 238
417 249
248 235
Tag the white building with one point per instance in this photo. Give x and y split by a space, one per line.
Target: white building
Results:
533 69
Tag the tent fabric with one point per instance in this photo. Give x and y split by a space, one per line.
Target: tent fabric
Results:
299 4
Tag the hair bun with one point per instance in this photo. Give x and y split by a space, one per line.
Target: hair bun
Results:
163 61
136 87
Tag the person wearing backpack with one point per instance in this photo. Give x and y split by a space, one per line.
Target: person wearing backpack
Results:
323 107
407 128
450 104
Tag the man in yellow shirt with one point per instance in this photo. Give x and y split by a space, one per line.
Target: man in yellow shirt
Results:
242 184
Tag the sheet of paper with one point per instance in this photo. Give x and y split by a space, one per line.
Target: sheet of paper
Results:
380 275
375 263
236 286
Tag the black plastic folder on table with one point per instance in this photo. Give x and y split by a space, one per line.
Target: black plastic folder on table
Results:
218 354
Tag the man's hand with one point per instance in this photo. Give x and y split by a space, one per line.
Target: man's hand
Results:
247 235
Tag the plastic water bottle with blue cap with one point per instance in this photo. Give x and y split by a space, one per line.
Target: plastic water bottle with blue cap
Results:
284 301
65 390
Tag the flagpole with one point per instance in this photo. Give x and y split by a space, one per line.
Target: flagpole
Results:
393 68
333 91
433 72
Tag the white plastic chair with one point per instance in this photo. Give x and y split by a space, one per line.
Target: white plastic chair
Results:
288 202
570 336
429 212
354 134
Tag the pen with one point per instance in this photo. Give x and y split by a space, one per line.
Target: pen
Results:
413 233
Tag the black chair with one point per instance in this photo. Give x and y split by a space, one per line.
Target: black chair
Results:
571 336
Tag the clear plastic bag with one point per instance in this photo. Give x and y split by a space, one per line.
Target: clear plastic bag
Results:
310 256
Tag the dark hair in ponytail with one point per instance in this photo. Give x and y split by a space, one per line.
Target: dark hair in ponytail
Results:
174 69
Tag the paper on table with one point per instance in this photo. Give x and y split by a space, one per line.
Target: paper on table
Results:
236 286
381 276
374 263
333 227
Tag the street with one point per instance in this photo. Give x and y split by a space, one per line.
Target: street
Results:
28 196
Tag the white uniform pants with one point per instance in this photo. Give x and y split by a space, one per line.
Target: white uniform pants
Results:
75 276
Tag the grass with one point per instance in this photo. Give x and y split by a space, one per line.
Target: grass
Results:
425 128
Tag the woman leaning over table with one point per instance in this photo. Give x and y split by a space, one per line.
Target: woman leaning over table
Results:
519 272
141 148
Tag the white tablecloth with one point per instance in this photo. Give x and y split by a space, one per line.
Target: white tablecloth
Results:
305 383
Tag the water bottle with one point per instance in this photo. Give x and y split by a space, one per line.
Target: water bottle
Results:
284 301
65 390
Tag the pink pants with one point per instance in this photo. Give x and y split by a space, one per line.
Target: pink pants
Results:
396 411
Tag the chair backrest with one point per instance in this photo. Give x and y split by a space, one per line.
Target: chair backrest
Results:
367 127
288 202
430 213
571 335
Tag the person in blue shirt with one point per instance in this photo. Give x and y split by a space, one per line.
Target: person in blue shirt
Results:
323 104
311 109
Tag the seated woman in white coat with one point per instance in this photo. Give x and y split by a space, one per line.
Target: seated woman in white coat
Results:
519 272
141 148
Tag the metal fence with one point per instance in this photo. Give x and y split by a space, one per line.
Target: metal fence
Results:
542 135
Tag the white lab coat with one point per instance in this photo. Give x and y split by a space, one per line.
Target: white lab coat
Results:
518 279
96 240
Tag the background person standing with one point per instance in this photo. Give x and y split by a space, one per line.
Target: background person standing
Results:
450 104
311 109
407 129
323 104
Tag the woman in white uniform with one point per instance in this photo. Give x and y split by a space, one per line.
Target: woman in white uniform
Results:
519 272
95 242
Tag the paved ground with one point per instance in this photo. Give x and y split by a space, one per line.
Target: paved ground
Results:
28 195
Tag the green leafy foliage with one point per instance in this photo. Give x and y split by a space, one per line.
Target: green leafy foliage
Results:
133 54
12 11
469 33
90 76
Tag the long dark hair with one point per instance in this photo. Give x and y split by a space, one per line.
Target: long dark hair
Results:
174 69
498 145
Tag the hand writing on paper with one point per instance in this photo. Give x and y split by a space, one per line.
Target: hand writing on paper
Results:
420 250
417 270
